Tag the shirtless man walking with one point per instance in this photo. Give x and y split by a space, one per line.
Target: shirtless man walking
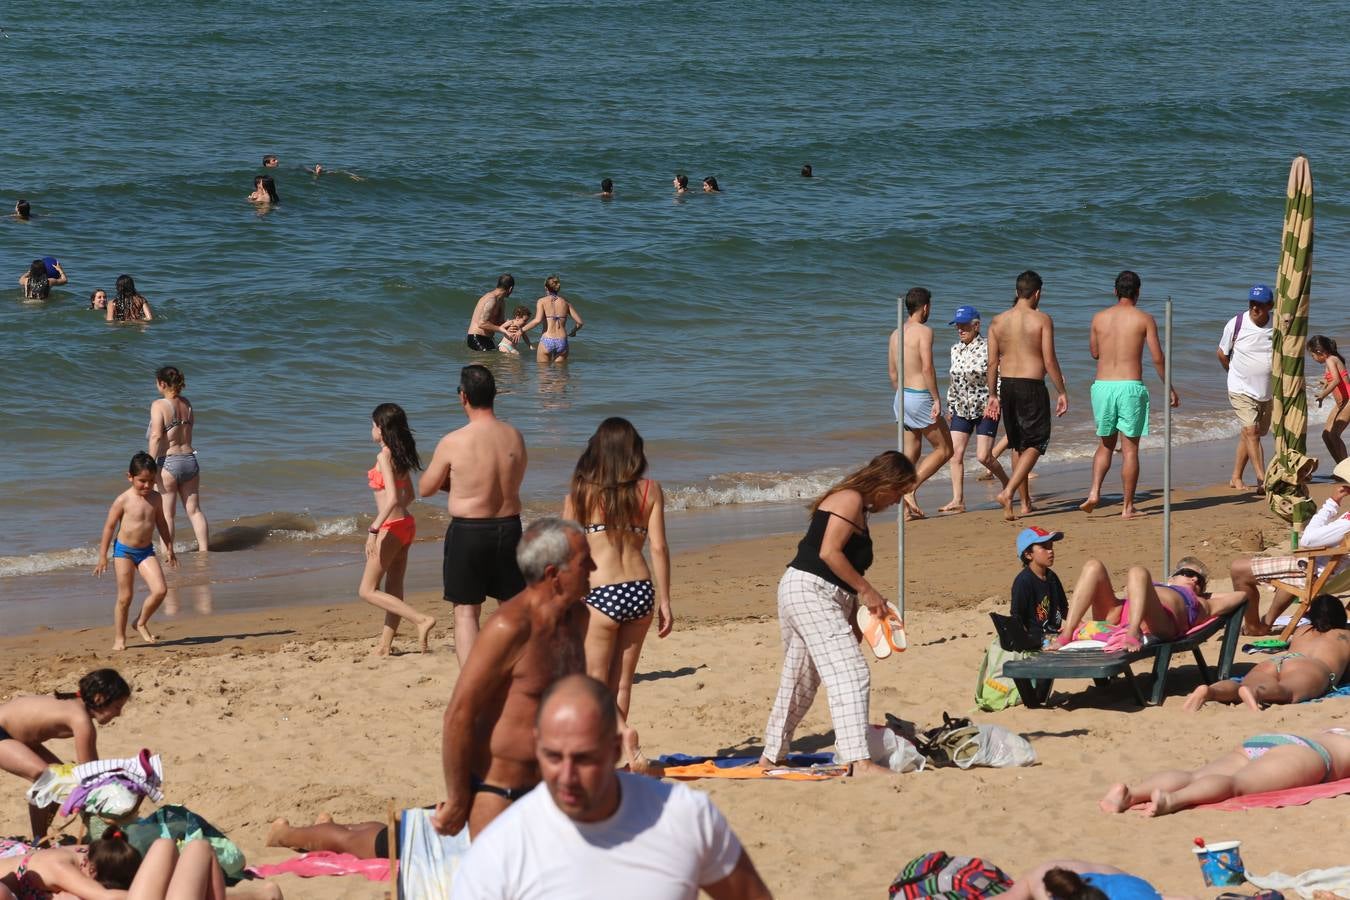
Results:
919 402
482 465
1117 339
1021 353
489 315
487 740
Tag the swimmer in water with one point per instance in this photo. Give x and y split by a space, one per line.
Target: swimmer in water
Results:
681 183
264 191
607 189
710 186
98 299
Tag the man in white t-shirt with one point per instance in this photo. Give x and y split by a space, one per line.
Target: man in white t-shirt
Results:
1245 353
592 832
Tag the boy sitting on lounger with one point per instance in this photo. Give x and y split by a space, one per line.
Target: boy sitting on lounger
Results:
1038 600
1327 529
1164 610
1316 661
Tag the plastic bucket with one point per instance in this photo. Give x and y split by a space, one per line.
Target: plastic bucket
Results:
1221 864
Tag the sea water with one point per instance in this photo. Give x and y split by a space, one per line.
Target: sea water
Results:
744 333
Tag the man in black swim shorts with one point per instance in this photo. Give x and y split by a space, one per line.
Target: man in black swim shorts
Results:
481 465
1026 413
489 318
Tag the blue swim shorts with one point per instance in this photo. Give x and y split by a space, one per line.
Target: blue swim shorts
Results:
137 555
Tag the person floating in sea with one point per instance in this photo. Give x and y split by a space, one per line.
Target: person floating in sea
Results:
320 169
481 465
28 721
1021 354
487 737
98 299
270 161
607 189
391 533
681 184
136 514
806 171
1117 340
1335 383
921 408
553 311
264 191
23 210
710 186
967 397
1245 352
489 317
128 305
41 277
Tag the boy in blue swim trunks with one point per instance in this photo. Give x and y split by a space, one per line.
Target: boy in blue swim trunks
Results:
134 517
1117 339
922 403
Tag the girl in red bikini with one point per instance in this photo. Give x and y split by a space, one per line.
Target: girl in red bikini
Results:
392 531
1335 383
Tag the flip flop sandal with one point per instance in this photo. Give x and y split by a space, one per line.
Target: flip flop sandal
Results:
875 632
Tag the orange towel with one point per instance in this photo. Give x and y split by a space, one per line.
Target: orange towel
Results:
711 770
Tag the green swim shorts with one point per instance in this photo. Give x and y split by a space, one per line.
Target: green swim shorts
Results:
1120 406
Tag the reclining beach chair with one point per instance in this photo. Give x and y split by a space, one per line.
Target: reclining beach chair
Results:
1323 582
422 863
1036 675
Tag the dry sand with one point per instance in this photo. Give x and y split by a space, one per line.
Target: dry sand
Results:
284 713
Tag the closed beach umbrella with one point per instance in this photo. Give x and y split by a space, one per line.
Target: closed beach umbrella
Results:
1286 478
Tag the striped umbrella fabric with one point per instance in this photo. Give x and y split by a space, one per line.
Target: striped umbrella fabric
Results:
1289 470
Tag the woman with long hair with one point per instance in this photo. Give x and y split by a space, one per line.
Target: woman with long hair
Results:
392 531
818 598
128 305
621 512
169 439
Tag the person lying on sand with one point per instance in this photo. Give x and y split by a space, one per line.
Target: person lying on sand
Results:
27 721
1264 762
1316 662
1166 611
1073 879
364 840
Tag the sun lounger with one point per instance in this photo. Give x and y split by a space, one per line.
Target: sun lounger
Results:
1304 589
1036 675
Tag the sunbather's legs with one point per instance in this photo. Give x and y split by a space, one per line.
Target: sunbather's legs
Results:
1093 591
1277 769
1219 691
1161 611
1122 796
357 839
155 872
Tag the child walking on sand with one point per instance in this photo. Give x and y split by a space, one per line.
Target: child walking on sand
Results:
27 721
1335 382
393 529
135 516
518 319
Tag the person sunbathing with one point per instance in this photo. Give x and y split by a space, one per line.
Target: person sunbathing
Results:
1316 661
1073 879
364 840
1164 610
1264 762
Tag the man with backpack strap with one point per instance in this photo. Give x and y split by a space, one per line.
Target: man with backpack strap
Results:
1245 353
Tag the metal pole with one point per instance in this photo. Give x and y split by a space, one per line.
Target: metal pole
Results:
1167 441
900 445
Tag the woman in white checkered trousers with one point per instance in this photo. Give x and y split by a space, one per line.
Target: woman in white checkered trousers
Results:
620 512
817 600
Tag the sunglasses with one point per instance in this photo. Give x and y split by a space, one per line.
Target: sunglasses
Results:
1190 573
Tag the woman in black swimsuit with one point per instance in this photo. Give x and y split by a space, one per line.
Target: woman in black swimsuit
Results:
128 305
818 598
621 512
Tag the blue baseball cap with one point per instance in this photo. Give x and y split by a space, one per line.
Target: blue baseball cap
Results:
1260 293
1036 535
965 315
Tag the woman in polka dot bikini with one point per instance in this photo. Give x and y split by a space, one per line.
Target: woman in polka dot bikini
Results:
621 511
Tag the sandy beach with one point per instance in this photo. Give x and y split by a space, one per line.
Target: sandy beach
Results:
283 712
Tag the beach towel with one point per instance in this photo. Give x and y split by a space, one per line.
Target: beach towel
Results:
749 770
1298 796
1335 881
10 848
949 877
731 762
323 862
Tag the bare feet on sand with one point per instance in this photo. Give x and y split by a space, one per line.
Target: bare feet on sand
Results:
1005 501
145 634
1249 698
323 819
1117 800
1159 805
952 507
424 632
274 832
120 644
1237 484
1130 512
912 510
1196 699
1089 504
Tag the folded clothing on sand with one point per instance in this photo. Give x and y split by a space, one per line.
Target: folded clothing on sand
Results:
322 862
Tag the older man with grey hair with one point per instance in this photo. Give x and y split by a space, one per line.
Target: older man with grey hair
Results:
487 741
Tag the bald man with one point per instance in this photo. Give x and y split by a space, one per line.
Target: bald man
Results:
590 831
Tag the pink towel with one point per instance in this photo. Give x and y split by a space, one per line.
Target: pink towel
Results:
322 862
1290 797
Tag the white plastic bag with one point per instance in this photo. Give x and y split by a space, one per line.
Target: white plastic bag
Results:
997 747
889 749
53 785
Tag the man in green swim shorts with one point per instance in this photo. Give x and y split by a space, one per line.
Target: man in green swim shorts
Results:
1117 339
